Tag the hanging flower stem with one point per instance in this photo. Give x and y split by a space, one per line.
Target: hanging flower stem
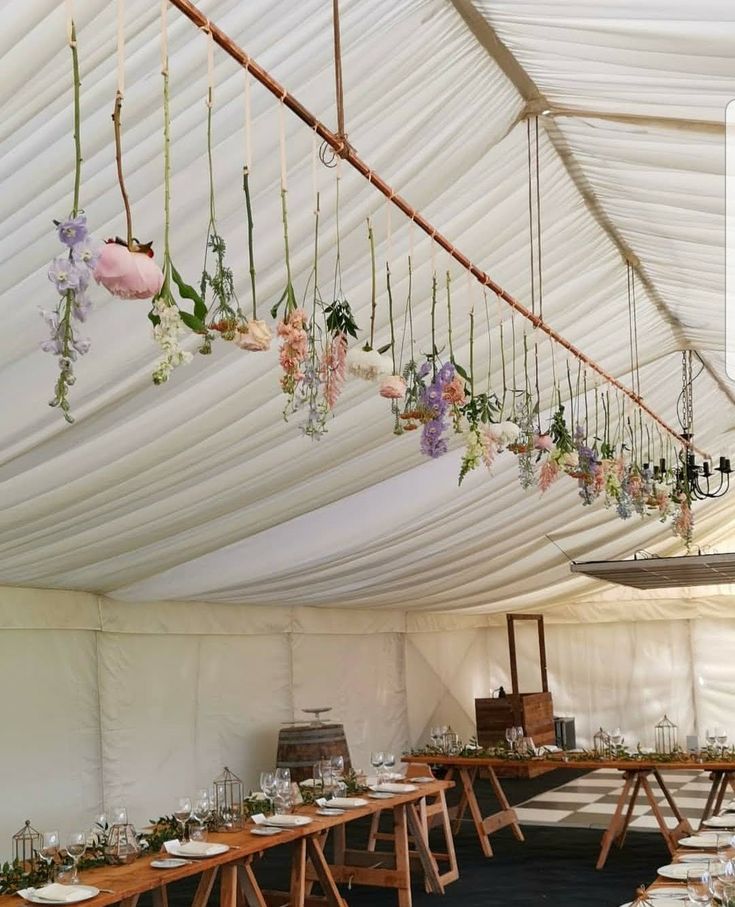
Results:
472 354
434 350
449 317
505 380
77 119
251 255
373 284
390 316
116 120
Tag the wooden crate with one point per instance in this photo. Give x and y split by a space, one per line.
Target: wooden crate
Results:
534 712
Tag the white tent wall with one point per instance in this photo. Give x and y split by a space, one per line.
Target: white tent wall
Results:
137 703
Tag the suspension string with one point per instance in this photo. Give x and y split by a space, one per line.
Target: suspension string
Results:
629 279
314 158
210 67
555 389
388 229
70 22
538 229
282 145
635 335
530 217
164 36
248 124
121 48
489 340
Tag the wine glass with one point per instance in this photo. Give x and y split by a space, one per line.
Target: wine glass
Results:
283 774
76 844
376 760
201 811
699 886
616 737
509 733
435 734
49 850
710 736
389 761
268 785
721 737
519 733
182 813
722 872
338 767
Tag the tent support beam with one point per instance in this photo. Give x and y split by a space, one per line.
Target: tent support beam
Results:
347 153
537 103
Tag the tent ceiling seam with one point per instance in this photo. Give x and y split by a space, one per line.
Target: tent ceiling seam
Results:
536 103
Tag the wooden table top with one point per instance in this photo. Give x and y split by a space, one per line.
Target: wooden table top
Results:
140 876
558 761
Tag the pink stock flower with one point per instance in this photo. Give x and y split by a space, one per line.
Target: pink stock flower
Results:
393 387
293 349
548 474
333 367
129 275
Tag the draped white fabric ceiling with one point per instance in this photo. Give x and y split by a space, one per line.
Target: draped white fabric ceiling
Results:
199 489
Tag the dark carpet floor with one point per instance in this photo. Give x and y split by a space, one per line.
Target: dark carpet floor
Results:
553 866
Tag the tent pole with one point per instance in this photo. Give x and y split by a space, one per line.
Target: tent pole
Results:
344 150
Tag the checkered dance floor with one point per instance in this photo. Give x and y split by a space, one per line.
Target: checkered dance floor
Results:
589 801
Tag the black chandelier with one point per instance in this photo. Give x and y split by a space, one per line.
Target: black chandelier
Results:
695 481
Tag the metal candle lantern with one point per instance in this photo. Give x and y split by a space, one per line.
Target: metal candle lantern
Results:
602 743
665 736
122 842
26 842
228 793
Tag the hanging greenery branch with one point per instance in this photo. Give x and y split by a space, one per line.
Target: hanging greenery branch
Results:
70 272
366 362
393 386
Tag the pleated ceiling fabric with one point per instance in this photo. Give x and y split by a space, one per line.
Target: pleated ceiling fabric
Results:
199 490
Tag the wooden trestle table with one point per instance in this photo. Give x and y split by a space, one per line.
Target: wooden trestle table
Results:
309 862
637 775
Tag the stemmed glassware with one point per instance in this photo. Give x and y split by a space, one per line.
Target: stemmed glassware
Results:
510 733
76 844
721 737
268 785
182 813
376 760
699 886
389 760
710 737
200 813
49 850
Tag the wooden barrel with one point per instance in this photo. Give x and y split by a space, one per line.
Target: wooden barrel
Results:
300 746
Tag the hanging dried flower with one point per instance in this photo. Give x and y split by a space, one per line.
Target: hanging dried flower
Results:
128 273
393 387
254 335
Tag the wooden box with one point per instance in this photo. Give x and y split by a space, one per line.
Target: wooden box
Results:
534 712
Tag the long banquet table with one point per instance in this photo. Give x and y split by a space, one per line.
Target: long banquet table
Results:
238 882
636 774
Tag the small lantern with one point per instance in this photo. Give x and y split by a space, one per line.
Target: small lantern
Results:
665 736
602 743
228 792
26 842
122 842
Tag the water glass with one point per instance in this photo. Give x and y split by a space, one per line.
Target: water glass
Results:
699 886
49 850
376 760
389 761
338 767
182 813
722 872
76 844
283 801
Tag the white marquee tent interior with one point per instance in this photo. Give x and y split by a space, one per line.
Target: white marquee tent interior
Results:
183 571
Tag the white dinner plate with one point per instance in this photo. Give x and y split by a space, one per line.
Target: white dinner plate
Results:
679 871
720 821
668 891
381 795
392 787
168 864
265 832
704 841
215 851
326 811
286 820
664 902
347 802
85 893
424 779
695 857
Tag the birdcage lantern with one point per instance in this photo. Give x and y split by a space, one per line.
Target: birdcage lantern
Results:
665 736
228 795
602 743
26 843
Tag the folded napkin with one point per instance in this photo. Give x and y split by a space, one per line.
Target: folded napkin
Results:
390 787
56 892
193 848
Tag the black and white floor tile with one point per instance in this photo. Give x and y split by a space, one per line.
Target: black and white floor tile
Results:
590 801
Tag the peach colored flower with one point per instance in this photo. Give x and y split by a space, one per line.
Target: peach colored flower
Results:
393 387
129 275
548 474
254 336
454 391
332 368
543 442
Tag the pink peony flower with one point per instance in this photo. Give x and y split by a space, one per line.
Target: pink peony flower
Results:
256 336
543 442
129 275
393 387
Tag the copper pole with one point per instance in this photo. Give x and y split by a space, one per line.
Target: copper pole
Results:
344 150
338 71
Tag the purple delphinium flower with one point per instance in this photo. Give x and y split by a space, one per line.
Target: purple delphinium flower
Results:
82 345
432 443
65 274
73 230
446 373
82 306
87 252
424 369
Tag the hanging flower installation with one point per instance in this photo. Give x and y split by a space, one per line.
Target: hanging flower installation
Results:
70 272
366 362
